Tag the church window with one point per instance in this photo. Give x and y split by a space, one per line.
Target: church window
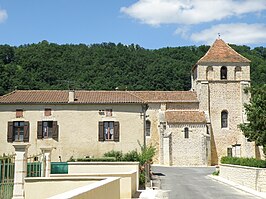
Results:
186 131
224 119
148 128
223 72
238 73
209 73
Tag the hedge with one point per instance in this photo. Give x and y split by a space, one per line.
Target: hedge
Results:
249 162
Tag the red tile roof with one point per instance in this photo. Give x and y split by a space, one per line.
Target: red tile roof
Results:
57 96
182 116
166 96
97 97
222 52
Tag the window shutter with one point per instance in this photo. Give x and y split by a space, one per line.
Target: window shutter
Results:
55 130
26 132
116 132
39 130
10 132
101 132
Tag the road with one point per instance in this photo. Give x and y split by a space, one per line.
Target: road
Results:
193 183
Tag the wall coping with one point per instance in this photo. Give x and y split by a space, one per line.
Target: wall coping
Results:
64 178
86 188
243 167
96 174
103 163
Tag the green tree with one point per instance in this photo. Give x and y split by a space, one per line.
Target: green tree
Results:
255 130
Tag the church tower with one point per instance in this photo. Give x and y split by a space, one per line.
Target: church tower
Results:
219 79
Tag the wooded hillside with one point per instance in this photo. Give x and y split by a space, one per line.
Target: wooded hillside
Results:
107 66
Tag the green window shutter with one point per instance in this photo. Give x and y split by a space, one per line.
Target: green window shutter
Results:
10 132
39 130
116 132
55 130
101 132
26 132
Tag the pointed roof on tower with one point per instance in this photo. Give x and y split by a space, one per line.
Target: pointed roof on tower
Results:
222 52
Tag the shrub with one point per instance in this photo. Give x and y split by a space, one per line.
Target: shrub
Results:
103 159
118 155
131 156
250 162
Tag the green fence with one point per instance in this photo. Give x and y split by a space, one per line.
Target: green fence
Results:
34 165
7 168
59 168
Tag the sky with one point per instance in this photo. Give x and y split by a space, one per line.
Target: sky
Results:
152 24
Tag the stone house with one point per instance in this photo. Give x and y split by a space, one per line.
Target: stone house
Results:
195 127
78 124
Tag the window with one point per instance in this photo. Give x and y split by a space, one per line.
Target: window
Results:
47 112
229 152
47 129
186 131
238 73
148 128
223 72
19 113
109 131
209 73
224 119
236 150
18 131
108 112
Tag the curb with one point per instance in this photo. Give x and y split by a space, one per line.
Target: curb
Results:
238 186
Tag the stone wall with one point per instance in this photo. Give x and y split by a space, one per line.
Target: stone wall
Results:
254 178
192 151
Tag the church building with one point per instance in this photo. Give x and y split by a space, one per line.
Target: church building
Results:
188 128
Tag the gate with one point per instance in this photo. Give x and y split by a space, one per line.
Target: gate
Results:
7 168
35 165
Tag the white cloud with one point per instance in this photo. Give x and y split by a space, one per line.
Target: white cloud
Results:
156 12
3 15
235 33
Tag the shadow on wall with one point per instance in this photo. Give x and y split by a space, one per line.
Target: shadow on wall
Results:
214 157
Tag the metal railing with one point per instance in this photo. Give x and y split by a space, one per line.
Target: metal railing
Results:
7 168
35 165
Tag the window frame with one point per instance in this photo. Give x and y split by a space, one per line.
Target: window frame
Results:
186 133
224 119
148 128
11 131
223 73
52 130
101 131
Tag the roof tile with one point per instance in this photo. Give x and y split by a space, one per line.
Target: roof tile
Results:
166 96
97 97
182 116
222 52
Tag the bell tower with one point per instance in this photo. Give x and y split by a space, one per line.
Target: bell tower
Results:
219 78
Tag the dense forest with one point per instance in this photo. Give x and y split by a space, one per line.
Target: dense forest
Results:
108 66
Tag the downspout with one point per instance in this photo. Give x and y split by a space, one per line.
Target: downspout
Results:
144 109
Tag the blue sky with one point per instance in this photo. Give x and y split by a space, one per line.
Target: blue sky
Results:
151 24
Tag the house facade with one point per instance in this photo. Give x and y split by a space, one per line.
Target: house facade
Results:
188 128
76 124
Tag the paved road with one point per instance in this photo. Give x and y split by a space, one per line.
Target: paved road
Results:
193 183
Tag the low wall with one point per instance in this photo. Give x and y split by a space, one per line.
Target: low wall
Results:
127 171
254 178
127 181
72 187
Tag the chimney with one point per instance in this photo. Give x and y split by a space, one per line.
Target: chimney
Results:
71 96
